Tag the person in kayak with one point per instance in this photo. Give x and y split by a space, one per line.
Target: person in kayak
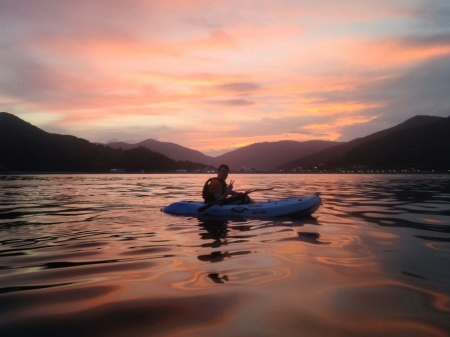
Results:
216 190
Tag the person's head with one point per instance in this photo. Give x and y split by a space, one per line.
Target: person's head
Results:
222 171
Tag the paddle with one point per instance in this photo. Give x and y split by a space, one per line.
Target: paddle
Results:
204 208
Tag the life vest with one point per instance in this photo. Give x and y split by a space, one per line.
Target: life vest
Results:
207 195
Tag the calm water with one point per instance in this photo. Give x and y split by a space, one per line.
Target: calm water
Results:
93 255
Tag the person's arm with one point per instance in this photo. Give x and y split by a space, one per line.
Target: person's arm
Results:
221 197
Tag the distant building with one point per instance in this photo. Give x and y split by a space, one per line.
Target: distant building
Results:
115 170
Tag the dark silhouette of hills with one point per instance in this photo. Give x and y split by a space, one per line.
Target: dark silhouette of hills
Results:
259 156
422 142
171 150
270 155
24 147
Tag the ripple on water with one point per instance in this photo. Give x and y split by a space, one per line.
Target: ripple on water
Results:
141 317
94 256
380 307
234 268
442 247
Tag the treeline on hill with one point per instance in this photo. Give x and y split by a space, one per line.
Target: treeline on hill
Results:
420 143
24 147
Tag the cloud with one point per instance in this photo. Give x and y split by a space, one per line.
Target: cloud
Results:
239 86
433 16
423 90
288 69
234 102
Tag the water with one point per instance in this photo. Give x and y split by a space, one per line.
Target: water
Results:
93 255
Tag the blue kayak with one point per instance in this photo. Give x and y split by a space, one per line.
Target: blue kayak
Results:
305 205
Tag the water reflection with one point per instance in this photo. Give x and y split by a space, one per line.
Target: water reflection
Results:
214 230
216 278
313 238
217 232
94 253
229 245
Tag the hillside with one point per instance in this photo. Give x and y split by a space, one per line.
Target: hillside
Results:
259 156
422 142
270 155
24 147
171 150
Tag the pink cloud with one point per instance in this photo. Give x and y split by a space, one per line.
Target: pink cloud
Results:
167 62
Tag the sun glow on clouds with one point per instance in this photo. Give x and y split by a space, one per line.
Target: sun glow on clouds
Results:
332 130
214 76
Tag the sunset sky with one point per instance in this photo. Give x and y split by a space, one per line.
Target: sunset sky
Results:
217 75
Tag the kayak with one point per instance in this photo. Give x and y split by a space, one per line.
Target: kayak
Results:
305 205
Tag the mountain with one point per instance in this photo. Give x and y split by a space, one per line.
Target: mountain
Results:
171 150
270 155
24 147
259 156
422 142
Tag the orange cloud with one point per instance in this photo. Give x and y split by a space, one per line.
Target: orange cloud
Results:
163 67
386 52
330 130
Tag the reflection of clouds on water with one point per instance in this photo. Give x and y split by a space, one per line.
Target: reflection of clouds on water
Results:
238 263
417 202
374 256
370 303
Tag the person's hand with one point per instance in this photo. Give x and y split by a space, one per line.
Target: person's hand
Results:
230 187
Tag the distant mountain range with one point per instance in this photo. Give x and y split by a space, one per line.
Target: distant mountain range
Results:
422 142
171 150
269 155
259 156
